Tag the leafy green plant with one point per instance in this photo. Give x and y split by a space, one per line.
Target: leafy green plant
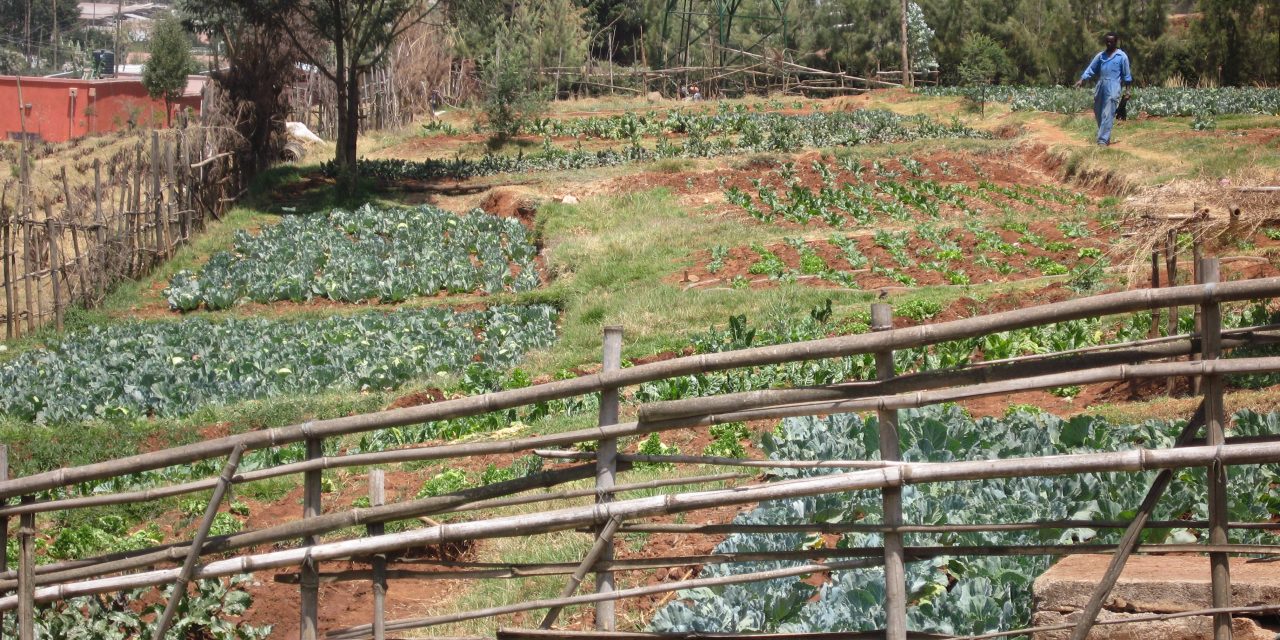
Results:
653 446
211 611
130 370
727 440
447 481
388 254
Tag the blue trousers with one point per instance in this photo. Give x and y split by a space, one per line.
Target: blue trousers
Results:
1105 101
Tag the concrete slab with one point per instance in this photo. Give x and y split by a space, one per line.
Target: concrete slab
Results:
1152 584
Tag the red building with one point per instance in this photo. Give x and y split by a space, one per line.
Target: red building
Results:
59 109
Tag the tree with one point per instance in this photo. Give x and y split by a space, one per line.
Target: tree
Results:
166 71
355 36
984 62
262 62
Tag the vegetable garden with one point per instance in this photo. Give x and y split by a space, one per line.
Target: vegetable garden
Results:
1153 101
387 254
916 224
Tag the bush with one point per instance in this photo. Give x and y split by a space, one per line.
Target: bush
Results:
511 104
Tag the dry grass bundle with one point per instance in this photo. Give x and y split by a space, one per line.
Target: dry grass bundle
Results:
1217 214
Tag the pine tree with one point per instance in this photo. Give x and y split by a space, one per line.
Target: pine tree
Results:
165 74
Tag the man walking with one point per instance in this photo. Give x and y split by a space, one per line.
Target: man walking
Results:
1111 68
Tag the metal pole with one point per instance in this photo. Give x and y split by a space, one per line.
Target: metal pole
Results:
1215 422
309 607
378 497
193 556
895 576
607 472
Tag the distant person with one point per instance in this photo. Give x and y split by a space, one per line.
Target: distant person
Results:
1111 68
435 100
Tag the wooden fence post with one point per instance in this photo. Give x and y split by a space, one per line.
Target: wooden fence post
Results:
55 264
1215 424
9 302
4 520
1155 284
309 608
27 573
378 497
895 576
157 197
1171 276
100 232
607 472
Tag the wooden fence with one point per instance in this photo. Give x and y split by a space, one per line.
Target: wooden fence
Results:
1160 358
68 238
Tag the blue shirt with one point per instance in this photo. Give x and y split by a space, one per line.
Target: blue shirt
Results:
1110 70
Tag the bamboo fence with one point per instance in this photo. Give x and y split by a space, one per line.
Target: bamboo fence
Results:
604 510
66 240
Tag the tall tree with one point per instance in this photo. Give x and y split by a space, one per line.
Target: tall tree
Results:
261 63
170 62
355 36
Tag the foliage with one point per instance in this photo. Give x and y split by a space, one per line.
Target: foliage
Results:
509 103
389 254
136 369
740 133
726 440
521 467
961 595
653 446
210 612
108 534
1153 101
447 481
170 62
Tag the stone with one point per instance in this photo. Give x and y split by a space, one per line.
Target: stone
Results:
569 200
1151 584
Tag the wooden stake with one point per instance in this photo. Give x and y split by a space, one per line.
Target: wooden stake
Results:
378 497
100 264
603 542
4 520
309 608
27 574
56 268
1132 536
1215 425
157 197
193 555
1171 274
607 472
1155 284
895 577
10 306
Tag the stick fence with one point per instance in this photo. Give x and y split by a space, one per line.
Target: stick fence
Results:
600 509
65 240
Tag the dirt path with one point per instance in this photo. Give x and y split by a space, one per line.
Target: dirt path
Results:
1049 134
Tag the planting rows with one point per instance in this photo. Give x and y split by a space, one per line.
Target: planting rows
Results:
388 254
954 595
927 232
727 119
139 369
740 133
1153 101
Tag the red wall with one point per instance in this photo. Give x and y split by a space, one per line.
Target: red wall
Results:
98 106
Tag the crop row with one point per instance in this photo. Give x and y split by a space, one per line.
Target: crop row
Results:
758 133
954 595
140 369
726 119
1154 101
850 195
388 254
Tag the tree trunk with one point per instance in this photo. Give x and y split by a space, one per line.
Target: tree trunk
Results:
347 139
908 79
